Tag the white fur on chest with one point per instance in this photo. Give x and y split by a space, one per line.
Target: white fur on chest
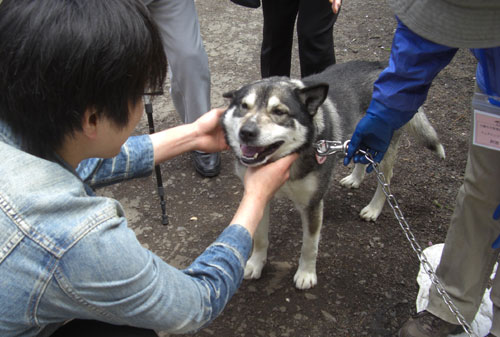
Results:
300 191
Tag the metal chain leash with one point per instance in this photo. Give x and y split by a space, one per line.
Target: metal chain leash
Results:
325 148
391 200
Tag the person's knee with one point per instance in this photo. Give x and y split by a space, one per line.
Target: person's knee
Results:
190 63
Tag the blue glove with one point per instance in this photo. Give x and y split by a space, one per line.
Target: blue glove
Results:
373 135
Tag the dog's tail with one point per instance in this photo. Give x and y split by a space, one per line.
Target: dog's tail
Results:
420 127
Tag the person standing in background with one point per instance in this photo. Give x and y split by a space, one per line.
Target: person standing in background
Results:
315 21
427 37
189 71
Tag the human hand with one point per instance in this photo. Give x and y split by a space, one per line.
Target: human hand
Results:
263 181
336 5
372 134
209 132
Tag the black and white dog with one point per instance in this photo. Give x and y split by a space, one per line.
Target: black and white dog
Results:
274 117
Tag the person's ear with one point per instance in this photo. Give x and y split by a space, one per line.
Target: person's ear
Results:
89 123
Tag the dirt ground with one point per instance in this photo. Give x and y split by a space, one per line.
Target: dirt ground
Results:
366 271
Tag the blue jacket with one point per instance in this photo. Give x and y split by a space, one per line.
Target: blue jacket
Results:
414 63
65 253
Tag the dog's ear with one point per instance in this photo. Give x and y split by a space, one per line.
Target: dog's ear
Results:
313 96
229 94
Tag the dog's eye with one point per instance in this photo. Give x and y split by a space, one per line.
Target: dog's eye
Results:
279 111
244 106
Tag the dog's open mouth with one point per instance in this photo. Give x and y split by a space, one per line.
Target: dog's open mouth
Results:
251 155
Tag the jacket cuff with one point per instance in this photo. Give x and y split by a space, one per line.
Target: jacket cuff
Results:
394 118
238 238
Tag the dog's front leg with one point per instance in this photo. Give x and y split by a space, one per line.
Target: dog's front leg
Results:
256 262
372 211
355 178
312 220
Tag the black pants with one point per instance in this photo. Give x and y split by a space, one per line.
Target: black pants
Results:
315 21
84 328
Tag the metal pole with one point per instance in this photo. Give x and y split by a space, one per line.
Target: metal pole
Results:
148 106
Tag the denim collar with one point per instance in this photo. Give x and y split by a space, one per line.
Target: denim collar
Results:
8 137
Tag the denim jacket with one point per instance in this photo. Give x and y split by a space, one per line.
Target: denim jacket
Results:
66 253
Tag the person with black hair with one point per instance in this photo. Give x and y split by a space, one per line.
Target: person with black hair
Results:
72 78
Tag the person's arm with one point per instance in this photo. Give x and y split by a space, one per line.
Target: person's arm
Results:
260 185
109 276
139 154
134 160
403 86
205 134
398 92
488 70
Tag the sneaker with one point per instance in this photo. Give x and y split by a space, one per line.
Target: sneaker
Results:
425 324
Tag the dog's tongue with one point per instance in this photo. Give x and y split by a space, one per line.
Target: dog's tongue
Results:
250 151
320 159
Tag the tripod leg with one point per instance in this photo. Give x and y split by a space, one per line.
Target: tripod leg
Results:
148 106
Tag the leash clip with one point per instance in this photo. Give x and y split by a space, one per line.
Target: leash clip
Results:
328 147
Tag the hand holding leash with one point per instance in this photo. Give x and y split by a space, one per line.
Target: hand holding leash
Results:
372 135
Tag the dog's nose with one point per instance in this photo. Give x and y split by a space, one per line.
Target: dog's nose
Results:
249 131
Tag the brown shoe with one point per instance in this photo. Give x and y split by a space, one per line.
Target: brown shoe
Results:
425 324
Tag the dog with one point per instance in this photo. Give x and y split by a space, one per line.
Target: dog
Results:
277 116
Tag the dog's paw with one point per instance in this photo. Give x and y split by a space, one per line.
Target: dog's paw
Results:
370 213
351 181
253 269
305 280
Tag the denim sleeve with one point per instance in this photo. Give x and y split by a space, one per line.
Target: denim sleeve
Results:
219 271
403 86
109 276
136 159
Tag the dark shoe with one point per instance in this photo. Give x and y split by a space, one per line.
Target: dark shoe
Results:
425 324
248 3
206 164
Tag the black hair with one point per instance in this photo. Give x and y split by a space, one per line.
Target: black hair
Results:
59 58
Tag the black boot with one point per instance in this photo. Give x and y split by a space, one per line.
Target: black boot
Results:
206 164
